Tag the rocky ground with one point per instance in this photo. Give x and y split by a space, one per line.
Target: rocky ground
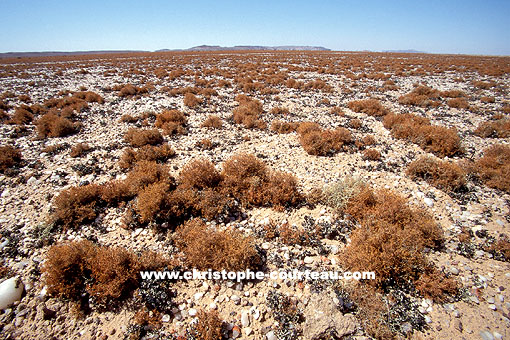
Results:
249 309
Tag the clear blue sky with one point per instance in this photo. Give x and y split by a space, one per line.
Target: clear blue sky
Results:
447 26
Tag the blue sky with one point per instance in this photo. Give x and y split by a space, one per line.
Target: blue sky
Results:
447 26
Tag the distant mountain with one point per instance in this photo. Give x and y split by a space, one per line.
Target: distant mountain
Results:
57 53
403 51
250 48
192 49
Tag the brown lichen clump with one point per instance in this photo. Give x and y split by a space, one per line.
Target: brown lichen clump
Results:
172 122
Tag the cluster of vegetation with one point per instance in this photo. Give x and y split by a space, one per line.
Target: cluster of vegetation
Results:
439 140
425 96
10 157
213 121
129 90
319 142
200 190
371 107
79 269
207 248
172 122
443 175
494 167
248 113
140 137
494 129
390 241
159 154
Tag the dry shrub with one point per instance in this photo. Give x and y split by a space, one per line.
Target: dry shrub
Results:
371 310
208 326
190 100
278 110
307 127
483 85
247 178
324 142
199 174
443 175
494 167
53 125
391 237
76 269
213 121
439 140
76 205
172 122
458 103
488 100
9 158
158 154
89 96
129 90
371 107
126 118
206 248
501 248
355 123
494 129
435 285
138 137
371 155
422 96
282 127
22 116
368 140
145 173
151 200
453 94
205 144
80 149
248 113
336 110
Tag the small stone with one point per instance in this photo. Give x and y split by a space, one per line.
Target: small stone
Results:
308 260
192 312
247 330
270 335
422 310
490 300
492 306
454 271
198 296
236 331
213 305
256 314
266 245
235 298
429 202
428 319
458 325
497 336
474 299
245 319
486 335
165 318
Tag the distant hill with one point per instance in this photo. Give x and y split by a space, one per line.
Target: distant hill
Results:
251 48
192 49
403 51
56 53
